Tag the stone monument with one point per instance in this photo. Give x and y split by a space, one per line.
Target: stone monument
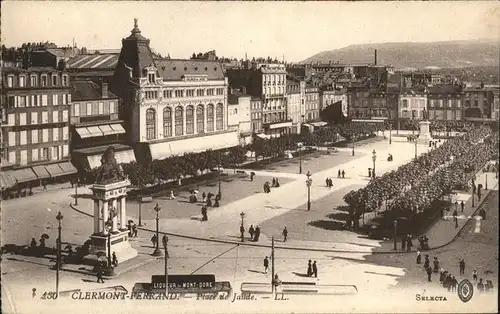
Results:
110 214
424 137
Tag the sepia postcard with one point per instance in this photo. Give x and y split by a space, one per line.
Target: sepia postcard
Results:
249 156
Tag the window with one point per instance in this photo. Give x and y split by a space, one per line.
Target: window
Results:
55 134
55 116
12 157
167 94
210 118
43 80
405 103
65 116
112 107
55 153
24 157
178 121
219 117
220 91
189 120
76 109
22 118
45 153
44 100
34 154
34 117
65 133
200 92
21 101
200 119
65 80
150 124
45 135
167 122
178 93
12 138
190 93
151 78
45 117
210 92
65 99
11 119
22 81
65 150
95 108
34 136
101 108
12 101
54 80
10 81
89 109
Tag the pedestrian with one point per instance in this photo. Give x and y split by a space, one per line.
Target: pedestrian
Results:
455 218
343 174
277 183
285 234
209 202
419 257
338 174
114 260
309 269
44 185
33 243
427 263
369 172
134 230
266 265
442 275
153 240
327 182
129 227
257 234
315 269
98 269
204 197
403 244
204 216
274 182
456 205
461 265
252 175
242 232
409 244
480 285
172 196
462 205
474 275
429 273
436 265
252 232
454 284
216 203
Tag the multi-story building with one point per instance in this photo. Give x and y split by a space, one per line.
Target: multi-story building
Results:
444 102
94 65
375 104
95 126
35 135
334 96
171 106
478 102
412 105
256 114
296 103
238 115
312 104
267 81
495 114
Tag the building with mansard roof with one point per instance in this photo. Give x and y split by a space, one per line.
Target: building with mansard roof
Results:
170 107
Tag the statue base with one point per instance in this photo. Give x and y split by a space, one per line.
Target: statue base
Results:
119 244
424 136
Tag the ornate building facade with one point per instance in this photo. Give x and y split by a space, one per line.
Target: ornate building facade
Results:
171 107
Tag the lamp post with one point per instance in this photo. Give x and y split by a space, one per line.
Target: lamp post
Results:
220 192
165 246
374 158
390 132
395 223
308 183
485 178
109 227
473 192
140 210
415 148
242 215
59 218
300 157
157 251
352 138
76 192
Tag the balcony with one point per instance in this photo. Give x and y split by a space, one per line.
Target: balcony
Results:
278 124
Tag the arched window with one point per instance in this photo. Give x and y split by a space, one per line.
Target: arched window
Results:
210 118
189 120
219 117
178 121
150 124
167 122
200 119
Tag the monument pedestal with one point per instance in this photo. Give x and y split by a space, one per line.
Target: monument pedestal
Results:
119 244
424 137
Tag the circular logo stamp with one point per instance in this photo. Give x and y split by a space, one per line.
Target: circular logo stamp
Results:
465 290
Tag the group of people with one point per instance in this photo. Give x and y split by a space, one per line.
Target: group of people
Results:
406 243
329 183
341 174
275 184
312 269
132 229
412 138
254 233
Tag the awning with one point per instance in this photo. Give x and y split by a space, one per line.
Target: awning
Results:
67 168
117 128
24 175
83 132
54 170
125 156
7 180
41 172
194 145
106 129
94 131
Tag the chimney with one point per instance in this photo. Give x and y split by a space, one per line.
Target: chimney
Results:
375 56
244 89
62 65
26 60
104 89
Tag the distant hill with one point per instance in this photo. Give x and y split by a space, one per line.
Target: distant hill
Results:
446 54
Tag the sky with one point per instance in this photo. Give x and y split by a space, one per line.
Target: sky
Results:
296 30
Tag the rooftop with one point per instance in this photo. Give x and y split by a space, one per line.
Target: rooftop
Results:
87 90
176 69
94 61
29 70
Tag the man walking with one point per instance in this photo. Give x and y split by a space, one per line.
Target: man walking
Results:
285 234
338 174
315 270
455 218
153 240
98 269
266 265
462 205
462 266
242 232
343 174
252 232
429 273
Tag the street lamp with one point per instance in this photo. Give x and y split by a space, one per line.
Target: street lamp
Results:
109 227
157 251
165 246
242 215
486 178
395 232
308 183
415 147
59 218
76 192
352 138
374 158
220 193
300 157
